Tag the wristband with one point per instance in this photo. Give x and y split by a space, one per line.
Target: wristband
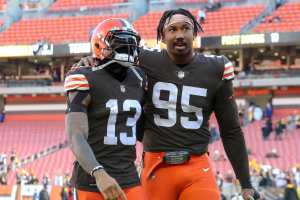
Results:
96 169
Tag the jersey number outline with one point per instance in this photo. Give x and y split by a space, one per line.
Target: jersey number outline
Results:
110 138
170 105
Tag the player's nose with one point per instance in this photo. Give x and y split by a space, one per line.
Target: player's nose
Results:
179 35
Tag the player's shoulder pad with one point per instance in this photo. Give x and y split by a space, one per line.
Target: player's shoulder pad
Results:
146 51
228 69
223 64
76 80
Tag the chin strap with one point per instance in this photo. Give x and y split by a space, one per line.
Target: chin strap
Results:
136 73
121 59
103 65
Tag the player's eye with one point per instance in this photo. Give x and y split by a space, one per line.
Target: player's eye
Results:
186 28
172 29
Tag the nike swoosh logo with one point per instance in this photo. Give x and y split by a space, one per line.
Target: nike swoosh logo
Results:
205 169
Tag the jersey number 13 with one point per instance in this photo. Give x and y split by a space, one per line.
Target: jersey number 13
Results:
110 138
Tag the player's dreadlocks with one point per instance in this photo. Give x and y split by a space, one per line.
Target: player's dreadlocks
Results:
167 16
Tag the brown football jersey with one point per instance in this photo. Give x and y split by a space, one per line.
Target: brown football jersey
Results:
114 118
180 100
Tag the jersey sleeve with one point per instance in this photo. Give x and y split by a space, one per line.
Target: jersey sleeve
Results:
228 73
76 81
231 133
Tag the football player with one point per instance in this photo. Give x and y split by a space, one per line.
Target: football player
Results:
103 117
184 88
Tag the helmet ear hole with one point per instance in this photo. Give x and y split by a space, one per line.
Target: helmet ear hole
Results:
97 45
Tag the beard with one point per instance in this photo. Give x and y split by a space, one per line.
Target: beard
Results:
181 50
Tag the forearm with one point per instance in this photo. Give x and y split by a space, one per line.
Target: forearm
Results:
83 153
235 148
77 128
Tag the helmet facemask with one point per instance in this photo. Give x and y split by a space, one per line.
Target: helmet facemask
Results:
124 46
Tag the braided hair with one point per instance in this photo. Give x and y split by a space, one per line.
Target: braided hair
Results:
167 16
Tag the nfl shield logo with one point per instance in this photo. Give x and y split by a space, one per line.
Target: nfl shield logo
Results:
122 88
180 74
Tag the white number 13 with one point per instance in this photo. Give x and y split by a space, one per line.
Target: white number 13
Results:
170 105
111 138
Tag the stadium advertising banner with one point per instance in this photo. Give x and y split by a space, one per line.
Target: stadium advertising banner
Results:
26 50
29 190
248 40
240 40
78 48
42 49
291 38
16 51
228 41
72 48
61 50
211 42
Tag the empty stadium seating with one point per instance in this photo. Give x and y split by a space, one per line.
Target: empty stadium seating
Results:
203 1
229 20
52 165
28 134
146 25
288 149
2 4
216 23
77 4
289 15
53 30
191 1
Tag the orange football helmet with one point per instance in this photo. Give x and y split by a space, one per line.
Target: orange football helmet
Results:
118 37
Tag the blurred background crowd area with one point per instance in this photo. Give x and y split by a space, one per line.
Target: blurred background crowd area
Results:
41 39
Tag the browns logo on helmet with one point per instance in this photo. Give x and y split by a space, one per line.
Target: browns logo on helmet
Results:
116 39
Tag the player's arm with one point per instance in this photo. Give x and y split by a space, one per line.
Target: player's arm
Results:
231 133
77 129
78 99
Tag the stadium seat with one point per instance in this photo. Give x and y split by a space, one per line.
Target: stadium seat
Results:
2 4
53 30
78 4
289 15
28 134
216 23
253 136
